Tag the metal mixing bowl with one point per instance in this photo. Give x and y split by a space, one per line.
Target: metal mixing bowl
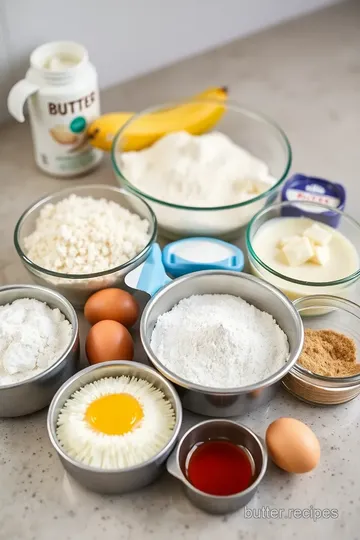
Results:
36 393
230 401
114 480
78 287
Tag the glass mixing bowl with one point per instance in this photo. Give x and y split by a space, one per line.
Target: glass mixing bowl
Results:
296 288
325 312
78 287
255 133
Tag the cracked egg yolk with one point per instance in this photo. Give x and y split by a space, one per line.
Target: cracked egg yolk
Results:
114 414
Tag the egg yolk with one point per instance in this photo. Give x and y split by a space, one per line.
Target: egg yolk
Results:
114 414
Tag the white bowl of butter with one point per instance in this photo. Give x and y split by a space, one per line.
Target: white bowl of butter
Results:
301 255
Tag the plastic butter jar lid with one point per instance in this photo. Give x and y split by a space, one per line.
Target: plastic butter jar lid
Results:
317 190
200 253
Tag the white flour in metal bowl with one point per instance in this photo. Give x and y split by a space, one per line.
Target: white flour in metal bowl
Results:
33 336
220 341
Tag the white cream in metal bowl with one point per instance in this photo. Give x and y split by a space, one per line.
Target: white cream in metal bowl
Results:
35 393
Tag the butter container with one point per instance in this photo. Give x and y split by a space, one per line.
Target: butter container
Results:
61 89
304 188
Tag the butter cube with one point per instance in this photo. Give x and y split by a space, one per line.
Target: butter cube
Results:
318 235
321 255
287 239
298 251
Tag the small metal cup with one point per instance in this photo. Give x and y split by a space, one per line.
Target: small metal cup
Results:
215 430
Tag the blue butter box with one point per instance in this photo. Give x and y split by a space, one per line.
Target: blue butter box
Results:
301 188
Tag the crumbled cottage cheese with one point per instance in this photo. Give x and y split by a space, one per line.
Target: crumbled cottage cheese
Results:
201 171
219 340
83 235
32 338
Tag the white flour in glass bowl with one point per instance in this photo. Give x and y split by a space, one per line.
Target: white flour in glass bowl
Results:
203 171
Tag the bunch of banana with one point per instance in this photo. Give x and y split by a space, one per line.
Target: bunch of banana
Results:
192 116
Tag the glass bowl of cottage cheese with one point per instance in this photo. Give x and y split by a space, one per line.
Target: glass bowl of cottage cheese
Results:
84 238
202 175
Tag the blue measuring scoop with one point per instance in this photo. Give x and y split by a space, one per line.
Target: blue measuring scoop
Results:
183 257
201 253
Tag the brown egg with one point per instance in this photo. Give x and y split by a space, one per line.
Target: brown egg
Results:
113 305
292 445
109 340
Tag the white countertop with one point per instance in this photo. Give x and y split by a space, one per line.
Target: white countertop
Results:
306 75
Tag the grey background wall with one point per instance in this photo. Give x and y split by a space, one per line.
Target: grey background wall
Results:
126 38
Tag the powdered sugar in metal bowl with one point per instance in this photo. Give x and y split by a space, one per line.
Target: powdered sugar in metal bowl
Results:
219 341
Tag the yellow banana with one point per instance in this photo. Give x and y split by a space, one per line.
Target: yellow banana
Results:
193 116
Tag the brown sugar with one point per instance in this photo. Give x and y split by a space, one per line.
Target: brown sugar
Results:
329 353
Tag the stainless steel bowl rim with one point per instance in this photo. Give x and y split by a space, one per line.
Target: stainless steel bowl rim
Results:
207 389
77 189
74 334
310 377
88 468
237 425
239 108
342 281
